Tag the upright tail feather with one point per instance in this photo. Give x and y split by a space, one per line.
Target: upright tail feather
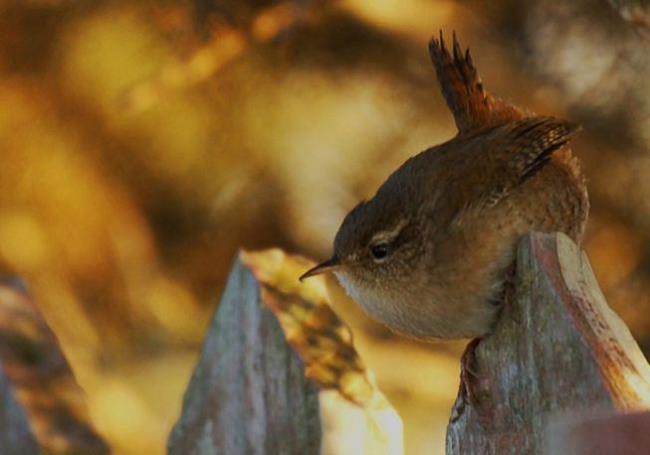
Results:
472 106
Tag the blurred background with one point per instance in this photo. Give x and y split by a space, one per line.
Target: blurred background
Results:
143 143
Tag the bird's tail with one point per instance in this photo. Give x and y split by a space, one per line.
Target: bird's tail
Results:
472 106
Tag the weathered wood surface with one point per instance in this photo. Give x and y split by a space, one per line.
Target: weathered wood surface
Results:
627 434
248 393
43 408
16 435
557 351
278 373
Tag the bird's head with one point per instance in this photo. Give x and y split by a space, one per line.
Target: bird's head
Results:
374 248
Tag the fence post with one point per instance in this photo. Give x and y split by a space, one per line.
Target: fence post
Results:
278 373
43 408
557 353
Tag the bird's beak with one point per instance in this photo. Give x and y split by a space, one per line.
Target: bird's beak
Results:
323 267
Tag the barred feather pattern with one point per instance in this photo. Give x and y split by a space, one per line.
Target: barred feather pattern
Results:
461 85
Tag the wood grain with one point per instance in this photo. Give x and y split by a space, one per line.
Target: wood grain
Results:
279 373
558 350
44 408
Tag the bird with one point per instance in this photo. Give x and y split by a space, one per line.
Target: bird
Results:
428 255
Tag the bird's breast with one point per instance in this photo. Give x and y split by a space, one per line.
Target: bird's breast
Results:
427 313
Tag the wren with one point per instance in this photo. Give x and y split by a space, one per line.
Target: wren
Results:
428 254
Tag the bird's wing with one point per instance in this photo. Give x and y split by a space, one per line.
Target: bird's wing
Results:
527 144
508 156
472 106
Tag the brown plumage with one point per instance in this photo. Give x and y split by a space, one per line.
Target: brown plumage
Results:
461 85
427 254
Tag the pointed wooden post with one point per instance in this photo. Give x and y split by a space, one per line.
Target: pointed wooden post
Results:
278 373
43 408
558 353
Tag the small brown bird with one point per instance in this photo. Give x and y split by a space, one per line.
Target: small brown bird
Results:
428 254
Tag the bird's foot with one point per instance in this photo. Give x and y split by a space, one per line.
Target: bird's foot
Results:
509 285
505 300
468 376
508 295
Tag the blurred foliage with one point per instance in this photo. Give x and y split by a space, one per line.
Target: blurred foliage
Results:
143 143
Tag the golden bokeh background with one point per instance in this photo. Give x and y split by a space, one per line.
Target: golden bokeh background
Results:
143 143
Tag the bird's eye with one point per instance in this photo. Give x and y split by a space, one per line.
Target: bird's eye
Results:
379 252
